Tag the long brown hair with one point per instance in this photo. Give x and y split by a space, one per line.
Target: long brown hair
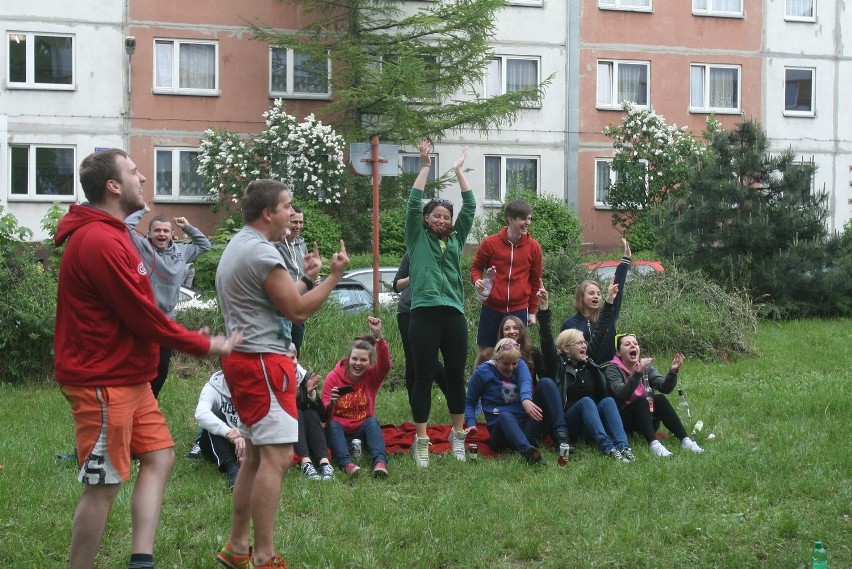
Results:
579 306
524 339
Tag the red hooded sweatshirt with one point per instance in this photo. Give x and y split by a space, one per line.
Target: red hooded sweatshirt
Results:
354 408
518 271
108 326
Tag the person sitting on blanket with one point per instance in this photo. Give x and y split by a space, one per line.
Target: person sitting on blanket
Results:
516 417
311 445
349 396
219 435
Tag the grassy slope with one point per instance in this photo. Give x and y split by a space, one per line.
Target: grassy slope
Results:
776 477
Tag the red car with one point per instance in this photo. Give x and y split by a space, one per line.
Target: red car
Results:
605 270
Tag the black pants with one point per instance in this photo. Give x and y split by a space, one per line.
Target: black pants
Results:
403 320
433 329
162 371
218 450
311 441
637 417
297 333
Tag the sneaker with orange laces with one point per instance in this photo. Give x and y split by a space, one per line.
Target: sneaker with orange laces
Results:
276 561
233 560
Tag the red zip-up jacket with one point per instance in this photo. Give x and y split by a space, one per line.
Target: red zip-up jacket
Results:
518 271
354 408
108 326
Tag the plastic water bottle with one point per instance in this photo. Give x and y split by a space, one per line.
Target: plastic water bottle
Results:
649 393
819 556
683 404
487 283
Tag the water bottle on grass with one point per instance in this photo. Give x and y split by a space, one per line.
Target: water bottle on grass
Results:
819 556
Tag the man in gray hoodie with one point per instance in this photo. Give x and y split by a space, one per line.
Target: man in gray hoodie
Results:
293 249
165 262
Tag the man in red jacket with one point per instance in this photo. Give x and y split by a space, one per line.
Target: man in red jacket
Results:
108 328
516 256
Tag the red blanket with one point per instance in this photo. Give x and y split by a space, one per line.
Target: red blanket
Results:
399 438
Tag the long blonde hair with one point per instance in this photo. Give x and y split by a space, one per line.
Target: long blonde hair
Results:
580 306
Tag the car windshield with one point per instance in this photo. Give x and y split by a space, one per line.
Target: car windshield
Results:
350 298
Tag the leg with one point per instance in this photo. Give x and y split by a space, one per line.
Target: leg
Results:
147 498
487 332
315 436
611 420
297 333
424 334
339 443
265 495
668 416
547 397
403 320
90 519
301 446
583 419
375 440
454 351
241 512
162 371
637 417
512 433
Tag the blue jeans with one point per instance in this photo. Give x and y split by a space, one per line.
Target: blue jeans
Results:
599 423
523 433
370 433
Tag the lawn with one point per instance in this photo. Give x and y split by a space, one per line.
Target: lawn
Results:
775 477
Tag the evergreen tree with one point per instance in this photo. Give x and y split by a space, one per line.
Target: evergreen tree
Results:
749 220
404 70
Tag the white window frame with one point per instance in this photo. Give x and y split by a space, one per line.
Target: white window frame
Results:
613 176
800 113
502 61
290 91
175 195
32 175
625 5
175 88
537 3
615 102
433 171
706 108
504 172
30 82
709 8
796 18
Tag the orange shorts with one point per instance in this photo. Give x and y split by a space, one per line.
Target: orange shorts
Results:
111 424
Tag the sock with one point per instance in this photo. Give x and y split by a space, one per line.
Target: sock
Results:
141 561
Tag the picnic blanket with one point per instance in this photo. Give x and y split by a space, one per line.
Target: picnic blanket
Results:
398 438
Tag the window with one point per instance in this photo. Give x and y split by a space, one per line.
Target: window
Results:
41 61
798 91
293 74
509 174
507 74
605 177
639 5
186 67
714 88
177 175
41 172
411 167
622 81
802 10
717 7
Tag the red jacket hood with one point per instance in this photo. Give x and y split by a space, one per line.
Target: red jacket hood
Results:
79 215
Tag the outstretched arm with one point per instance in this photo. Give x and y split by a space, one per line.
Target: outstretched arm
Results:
458 169
425 164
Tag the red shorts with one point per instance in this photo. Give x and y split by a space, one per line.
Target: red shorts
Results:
263 390
111 424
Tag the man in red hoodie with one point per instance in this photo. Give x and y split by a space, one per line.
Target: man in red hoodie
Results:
108 328
516 256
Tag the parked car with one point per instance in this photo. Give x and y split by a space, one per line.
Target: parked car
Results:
365 276
188 298
605 270
350 296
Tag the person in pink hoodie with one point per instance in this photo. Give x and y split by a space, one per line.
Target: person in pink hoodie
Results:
349 395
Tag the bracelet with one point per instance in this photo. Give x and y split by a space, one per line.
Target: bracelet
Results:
308 282
425 166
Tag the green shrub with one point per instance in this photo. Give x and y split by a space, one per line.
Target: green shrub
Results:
322 228
392 231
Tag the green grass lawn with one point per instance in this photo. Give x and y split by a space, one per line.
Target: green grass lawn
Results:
775 477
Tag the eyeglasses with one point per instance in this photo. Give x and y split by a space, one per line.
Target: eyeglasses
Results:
578 343
507 346
442 201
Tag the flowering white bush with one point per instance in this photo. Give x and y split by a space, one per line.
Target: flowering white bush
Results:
307 156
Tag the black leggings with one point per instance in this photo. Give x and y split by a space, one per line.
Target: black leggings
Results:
162 371
637 417
433 329
403 320
311 443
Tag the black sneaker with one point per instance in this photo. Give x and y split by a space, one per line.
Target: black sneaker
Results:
627 454
194 452
533 457
616 454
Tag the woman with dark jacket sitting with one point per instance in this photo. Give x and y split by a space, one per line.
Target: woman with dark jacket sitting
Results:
590 413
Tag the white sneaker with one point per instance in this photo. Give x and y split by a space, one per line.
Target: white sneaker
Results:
420 451
659 450
690 444
456 441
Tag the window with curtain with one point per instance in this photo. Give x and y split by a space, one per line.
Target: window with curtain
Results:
411 166
40 61
714 88
186 67
508 74
294 74
799 91
718 7
605 177
177 176
625 4
509 174
40 171
800 9
622 81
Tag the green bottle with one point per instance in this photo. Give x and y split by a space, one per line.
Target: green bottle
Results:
819 556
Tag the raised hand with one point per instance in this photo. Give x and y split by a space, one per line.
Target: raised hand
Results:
677 362
180 222
460 161
312 263
375 325
626 247
612 292
340 260
543 297
425 148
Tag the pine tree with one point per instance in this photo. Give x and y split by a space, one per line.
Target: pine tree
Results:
749 219
403 70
